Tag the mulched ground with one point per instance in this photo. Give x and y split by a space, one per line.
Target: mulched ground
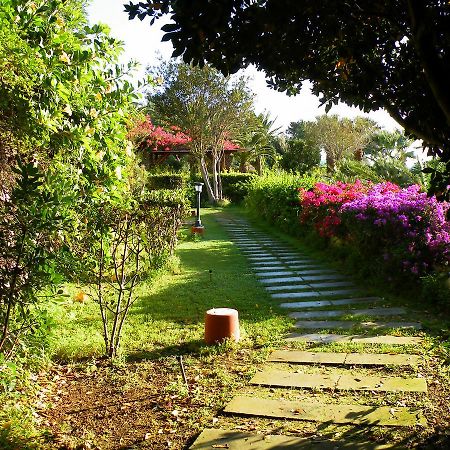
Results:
138 405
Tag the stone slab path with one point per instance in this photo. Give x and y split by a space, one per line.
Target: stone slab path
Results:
320 412
235 440
350 359
307 289
330 338
271 377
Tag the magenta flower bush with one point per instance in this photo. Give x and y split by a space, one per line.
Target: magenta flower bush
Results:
404 228
320 205
397 231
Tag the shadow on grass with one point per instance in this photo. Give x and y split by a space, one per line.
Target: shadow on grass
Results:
191 348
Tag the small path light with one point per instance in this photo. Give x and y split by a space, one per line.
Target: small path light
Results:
198 227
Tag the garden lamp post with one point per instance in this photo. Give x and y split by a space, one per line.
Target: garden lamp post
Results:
198 189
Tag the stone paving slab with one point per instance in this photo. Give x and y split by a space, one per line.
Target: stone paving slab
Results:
307 294
236 440
297 356
284 280
348 324
377 359
298 259
321 412
382 384
306 285
271 262
311 271
282 378
331 284
279 273
324 277
361 339
263 258
316 337
354 312
271 267
311 304
363 359
340 302
399 340
248 246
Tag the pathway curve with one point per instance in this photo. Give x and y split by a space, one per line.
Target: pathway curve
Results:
329 308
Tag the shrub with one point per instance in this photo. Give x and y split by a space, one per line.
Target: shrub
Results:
167 181
320 205
235 185
274 198
404 227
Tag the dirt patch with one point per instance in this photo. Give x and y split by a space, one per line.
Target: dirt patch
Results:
138 405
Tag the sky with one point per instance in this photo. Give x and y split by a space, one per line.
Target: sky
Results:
142 43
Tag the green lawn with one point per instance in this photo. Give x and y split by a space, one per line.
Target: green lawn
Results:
169 314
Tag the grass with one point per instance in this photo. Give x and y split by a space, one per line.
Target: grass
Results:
169 315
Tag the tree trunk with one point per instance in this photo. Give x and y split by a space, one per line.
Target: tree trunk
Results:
205 175
331 163
259 165
215 178
219 180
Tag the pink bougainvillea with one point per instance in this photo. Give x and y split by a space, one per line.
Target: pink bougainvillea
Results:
321 204
153 137
404 228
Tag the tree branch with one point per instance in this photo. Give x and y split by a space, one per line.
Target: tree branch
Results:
434 70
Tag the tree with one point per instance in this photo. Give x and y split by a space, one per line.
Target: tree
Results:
391 145
207 107
339 138
300 156
256 141
63 111
393 55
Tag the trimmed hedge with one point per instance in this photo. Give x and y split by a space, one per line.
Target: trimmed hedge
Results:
275 198
167 181
234 185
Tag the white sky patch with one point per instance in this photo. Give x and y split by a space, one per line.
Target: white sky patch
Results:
142 43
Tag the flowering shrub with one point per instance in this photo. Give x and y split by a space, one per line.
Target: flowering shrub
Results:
403 227
320 205
147 135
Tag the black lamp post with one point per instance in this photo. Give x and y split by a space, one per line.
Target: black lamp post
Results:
198 188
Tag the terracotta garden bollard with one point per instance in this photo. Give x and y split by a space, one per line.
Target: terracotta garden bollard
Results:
220 324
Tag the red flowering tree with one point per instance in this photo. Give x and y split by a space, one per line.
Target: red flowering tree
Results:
152 137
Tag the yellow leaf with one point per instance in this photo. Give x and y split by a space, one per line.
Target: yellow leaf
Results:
80 297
